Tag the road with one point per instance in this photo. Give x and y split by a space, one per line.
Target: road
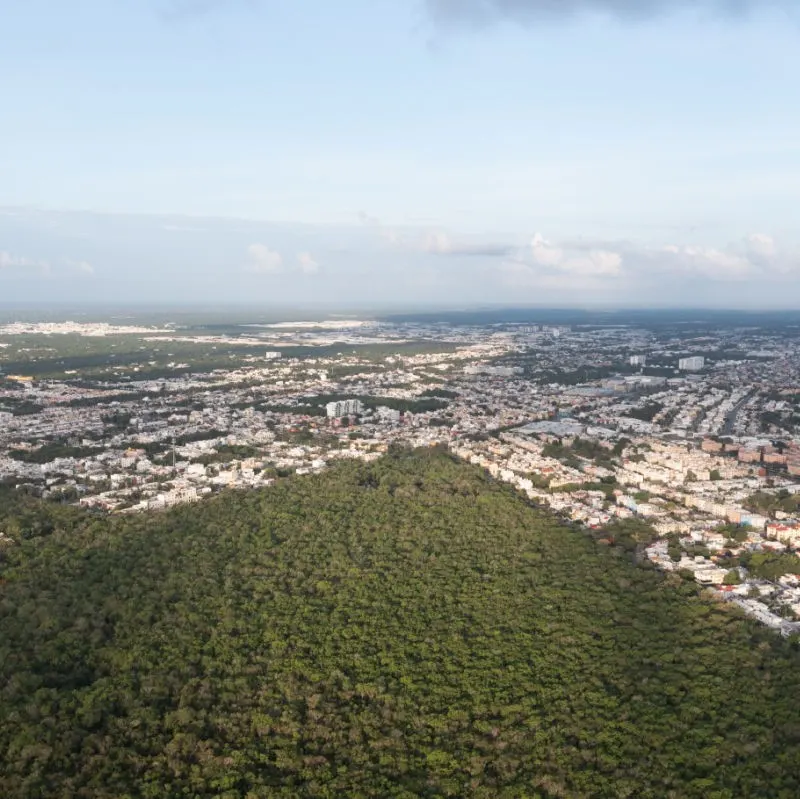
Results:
730 419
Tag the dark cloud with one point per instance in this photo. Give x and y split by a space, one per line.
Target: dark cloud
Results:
527 11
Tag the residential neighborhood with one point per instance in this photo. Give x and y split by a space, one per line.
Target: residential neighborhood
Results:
692 437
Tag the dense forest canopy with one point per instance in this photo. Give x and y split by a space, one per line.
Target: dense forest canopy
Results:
406 628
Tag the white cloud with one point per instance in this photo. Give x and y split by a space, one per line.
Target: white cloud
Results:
7 260
307 264
765 253
756 257
521 276
544 253
10 261
596 262
263 260
762 244
545 257
702 261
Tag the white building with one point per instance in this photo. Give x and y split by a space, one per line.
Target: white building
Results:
389 415
272 355
693 364
350 407
493 371
710 576
638 360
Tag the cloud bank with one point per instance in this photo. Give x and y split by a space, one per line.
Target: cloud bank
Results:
757 258
82 257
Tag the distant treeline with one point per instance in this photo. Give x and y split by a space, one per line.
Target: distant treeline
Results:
50 451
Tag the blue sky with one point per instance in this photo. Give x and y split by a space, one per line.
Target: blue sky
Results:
381 152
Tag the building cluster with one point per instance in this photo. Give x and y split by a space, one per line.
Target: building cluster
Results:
602 425
693 364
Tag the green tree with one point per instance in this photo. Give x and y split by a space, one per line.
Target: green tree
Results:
732 577
406 627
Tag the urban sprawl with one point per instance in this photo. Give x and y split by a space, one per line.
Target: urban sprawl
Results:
681 440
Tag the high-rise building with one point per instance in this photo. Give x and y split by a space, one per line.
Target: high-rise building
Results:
350 407
638 360
354 406
693 364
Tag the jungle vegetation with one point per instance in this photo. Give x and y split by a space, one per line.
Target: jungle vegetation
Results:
404 628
